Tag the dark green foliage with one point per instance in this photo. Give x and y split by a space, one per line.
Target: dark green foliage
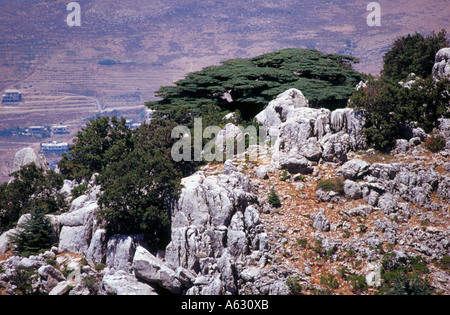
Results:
413 54
404 276
139 189
294 285
30 188
325 80
390 106
102 142
138 177
358 283
427 101
34 236
79 190
273 199
383 102
329 281
23 279
92 284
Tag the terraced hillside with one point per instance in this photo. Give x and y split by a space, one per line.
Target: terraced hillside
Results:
126 50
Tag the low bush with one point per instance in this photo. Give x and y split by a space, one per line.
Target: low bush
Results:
335 184
435 143
273 199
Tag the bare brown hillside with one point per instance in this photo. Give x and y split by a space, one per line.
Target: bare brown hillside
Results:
126 50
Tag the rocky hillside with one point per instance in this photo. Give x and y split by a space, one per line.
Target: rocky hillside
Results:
341 219
348 215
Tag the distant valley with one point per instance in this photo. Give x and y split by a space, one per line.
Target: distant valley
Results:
124 51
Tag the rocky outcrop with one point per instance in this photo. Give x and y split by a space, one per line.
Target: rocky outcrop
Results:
444 129
124 283
27 156
216 232
441 68
305 136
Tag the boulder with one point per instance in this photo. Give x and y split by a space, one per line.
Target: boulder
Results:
27 156
303 132
120 252
5 242
441 68
354 169
352 189
202 216
251 218
74 239
335 147
296 165
229 135
401 146
278 110
124 283
66 190
97 249
60 289
321 223
76 228
444 129
261 172
312 150
237 242
51 277
152 270
388 203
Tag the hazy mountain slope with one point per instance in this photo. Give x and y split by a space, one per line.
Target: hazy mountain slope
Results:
154 43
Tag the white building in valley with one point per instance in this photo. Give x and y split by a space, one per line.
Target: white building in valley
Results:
11 96
55 146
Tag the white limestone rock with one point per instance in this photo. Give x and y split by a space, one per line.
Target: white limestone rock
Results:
441 68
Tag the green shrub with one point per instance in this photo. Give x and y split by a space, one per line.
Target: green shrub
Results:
435 143
444 263
23 278
35 235
329 281
335 184
284 176
302 242
79 191
294 285
404 276
273 199
358 283
139 189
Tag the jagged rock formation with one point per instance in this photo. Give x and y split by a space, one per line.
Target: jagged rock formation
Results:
27 156
218 241
305 136
445 132
441 68
217 235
